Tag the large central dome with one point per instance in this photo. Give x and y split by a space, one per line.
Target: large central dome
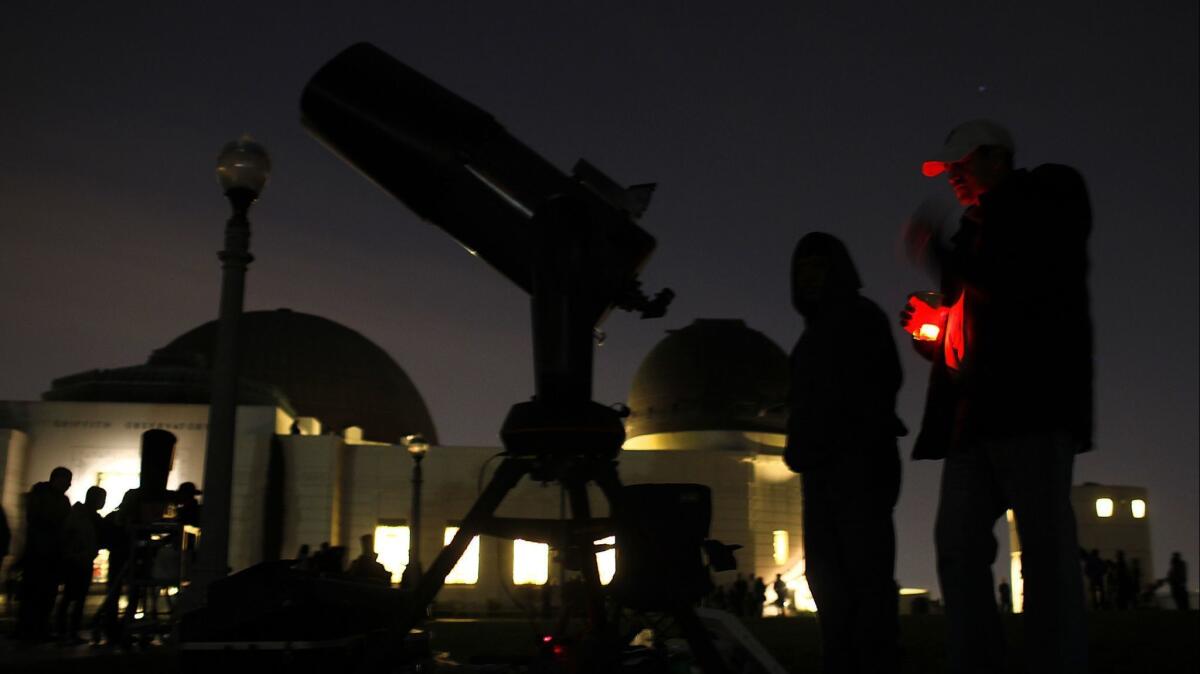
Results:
713 375
320 368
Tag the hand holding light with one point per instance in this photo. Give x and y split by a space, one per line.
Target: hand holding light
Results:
923 316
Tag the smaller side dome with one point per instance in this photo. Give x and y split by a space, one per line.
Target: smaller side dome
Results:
713 375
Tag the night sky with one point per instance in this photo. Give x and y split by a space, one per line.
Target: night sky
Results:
759 124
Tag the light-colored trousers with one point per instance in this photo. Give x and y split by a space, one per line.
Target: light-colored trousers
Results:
1031 474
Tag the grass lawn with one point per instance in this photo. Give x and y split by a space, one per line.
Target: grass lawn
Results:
1152 642
1158 642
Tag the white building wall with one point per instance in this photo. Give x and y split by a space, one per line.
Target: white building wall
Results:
12 462
251 456
311 491
100 443
337 491
775 505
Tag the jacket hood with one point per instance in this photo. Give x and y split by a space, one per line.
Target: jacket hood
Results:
822 272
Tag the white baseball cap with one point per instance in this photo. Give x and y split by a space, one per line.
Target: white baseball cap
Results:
963 140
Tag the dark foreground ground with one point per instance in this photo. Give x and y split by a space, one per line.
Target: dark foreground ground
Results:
1126 643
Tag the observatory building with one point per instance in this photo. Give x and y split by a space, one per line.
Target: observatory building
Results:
317 454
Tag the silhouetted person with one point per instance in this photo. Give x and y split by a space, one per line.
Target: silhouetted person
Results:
335 560
780 588
366 566
842 430
1005 596
410 577
737 596
329 560
1177 581
1111 591
303 560
1094 569
80 545
1010 393
760 597
46 510
321 558
1135 574
187 508
1126 592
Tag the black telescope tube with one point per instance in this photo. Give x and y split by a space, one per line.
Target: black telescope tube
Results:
416 140
454 165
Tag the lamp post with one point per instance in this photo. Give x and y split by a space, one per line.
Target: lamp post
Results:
242 170
417 448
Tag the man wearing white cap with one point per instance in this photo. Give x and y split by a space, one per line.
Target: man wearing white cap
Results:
1012 407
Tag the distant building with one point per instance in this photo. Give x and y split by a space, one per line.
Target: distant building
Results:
1108 518
322 409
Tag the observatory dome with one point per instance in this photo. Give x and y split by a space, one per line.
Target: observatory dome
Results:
309 365
713 375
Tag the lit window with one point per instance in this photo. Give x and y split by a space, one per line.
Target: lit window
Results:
1139 508
1104 507
392 545
466 572
779 546
606 561
531 563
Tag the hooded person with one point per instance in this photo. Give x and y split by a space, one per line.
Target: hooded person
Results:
842 429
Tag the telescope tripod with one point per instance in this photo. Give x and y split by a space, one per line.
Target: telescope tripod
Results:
574 539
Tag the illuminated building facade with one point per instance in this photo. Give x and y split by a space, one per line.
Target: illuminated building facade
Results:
317 452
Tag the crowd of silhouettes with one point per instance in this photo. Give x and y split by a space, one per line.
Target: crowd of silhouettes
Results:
52 575
745 597
1113 584
1117 584
329 561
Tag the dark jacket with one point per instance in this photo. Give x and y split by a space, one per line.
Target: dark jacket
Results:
845 371
81 535
1020 261
46 510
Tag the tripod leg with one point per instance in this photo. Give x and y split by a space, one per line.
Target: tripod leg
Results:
700 641
507 476
581 512
605 477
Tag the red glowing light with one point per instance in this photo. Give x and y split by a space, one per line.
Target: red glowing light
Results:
925 314
933 168
929 322
547 639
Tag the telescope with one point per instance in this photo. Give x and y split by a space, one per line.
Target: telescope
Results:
573 243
